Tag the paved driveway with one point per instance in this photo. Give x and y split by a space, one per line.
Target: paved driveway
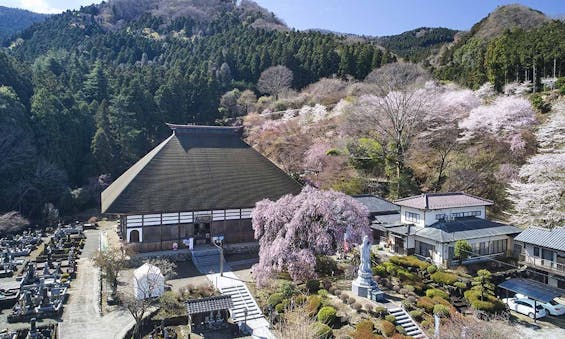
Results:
81 317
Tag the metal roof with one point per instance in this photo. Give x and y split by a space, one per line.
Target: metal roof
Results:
377 205
434 201
210 304
197 168
464 229
391 219
533 289
550 238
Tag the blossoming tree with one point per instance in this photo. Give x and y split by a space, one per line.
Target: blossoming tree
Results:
293 230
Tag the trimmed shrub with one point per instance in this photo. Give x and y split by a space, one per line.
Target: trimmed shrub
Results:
432 269
425 324
391 318
280 308
440 300
326 315
387 328
323 293
459 284
380 270
491 304
432 292
426 303
357 306
344 298
287 289
416 314
405 275
364 330
351 300
380 311
409 261
275 299
337 292
313 303
445 278
410 288
300 299
322 331
441 310
313 285
390 268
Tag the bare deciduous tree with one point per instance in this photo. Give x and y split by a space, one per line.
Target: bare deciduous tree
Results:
111 261
274 80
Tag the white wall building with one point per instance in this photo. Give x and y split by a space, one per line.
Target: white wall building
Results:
430 224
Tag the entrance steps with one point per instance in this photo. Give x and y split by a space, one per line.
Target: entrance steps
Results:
403 319
242 300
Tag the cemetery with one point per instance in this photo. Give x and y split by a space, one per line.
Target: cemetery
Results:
37 270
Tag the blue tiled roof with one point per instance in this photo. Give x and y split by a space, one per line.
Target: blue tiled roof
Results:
550 238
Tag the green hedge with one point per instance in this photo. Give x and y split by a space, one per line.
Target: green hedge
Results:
490 304
441 310
326 315
445 278
409 261
432 292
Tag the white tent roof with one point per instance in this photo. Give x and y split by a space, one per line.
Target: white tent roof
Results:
146 270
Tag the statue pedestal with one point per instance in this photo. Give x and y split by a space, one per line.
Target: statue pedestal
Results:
365 286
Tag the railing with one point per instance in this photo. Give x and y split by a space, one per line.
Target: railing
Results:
545 264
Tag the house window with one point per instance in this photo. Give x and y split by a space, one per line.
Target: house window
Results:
440 216
547 254
536 251
424 249
457 215
466 214
414 217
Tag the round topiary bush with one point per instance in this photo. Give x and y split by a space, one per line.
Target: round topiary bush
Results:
380 311
351 300
275 299
337 292
280 308
390 318
416 314
326 315
425 324
300 299
387 328
344 298
426 303
432 269
400 330
322 331
313 285
432 292
441 310
357 306
323 293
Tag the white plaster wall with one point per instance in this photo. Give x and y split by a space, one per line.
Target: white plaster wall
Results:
403 211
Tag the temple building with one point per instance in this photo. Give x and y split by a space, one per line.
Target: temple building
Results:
200 183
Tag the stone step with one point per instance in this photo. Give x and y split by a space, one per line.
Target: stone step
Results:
404 321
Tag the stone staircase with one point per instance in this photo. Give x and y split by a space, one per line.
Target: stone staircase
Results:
207 259
242 300
403 319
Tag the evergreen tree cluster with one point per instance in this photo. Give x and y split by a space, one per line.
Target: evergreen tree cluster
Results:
517 55
91 100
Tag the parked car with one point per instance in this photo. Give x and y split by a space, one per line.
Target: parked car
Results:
525 306
552 307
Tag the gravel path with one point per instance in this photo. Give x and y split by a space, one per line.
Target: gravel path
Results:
81 316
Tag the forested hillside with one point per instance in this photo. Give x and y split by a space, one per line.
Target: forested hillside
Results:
418 44
513 44
14 20
89 91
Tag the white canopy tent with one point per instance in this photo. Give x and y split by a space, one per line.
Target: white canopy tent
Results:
148 282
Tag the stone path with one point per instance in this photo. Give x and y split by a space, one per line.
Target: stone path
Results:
81 316
207 261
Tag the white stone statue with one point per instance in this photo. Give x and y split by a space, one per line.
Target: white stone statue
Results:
365 254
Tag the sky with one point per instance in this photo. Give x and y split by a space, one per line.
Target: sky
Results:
365 17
